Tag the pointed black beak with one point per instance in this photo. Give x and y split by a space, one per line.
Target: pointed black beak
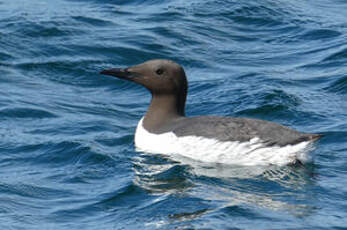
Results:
122 73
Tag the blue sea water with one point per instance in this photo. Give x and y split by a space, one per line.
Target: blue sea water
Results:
67 158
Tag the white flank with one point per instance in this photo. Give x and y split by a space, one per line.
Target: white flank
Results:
253 152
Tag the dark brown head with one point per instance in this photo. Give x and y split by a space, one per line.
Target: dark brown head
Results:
162 78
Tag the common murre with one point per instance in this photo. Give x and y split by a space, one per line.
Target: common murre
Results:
165 128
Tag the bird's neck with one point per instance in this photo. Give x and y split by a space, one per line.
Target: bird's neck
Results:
163 110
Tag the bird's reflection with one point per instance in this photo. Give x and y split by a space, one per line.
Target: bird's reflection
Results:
272 187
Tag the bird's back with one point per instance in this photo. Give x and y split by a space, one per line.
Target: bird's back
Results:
240 129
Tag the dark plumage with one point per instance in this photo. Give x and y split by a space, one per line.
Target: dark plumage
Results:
240 129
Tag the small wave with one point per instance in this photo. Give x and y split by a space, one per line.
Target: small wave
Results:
126 195
57 70
33 191
5 56
92 21
273 103
248 13
26 113
36 30
60 153
338 86
71 152
265 110
334 137
113 142
319 34
337 58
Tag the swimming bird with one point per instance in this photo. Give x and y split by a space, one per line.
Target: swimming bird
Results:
165 129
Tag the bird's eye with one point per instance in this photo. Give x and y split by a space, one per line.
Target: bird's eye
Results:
159 71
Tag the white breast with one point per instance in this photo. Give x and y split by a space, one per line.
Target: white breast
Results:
253 152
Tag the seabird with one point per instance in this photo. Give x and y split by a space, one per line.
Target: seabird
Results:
230 140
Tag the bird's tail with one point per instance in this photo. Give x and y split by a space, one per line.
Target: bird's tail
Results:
315 137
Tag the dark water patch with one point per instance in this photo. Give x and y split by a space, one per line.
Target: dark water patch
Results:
284 34
336 59
79 211
60 71
4 56
5 72
334 137
90 21
143 3
276 113
118 3
113 142
113 9
339 86
340 55
130 55
280 96
255 21
319 81
196 206
33 191
38 30
165 16
240 211
330 57
32 113
28 148
274 103
126 196
319 34
93 158
59 66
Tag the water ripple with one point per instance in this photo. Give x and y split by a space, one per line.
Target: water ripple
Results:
26 113
338 86
68 159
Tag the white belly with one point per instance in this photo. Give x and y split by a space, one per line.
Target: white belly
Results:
253 152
